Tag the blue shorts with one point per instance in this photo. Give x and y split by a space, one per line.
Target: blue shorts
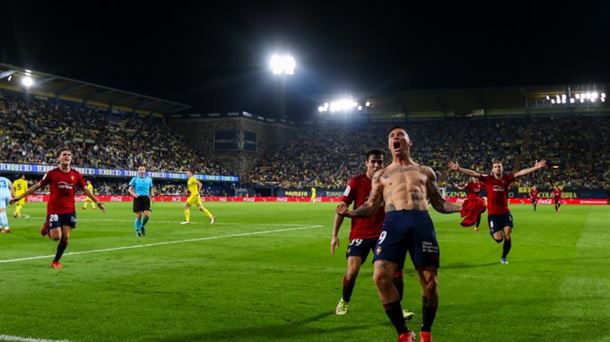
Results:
4 199
408 230
60 220
360 248
498 222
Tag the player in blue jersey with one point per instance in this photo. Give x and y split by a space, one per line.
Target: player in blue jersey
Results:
141 188
6 194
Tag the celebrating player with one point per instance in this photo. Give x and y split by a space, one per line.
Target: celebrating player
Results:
499 216
406 188
557 198
365 231
534 196
61 213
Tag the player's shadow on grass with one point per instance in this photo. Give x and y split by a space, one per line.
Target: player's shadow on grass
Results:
288 329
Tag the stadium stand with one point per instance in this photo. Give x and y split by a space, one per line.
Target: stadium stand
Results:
321 155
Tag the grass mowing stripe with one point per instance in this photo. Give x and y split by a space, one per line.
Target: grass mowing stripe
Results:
10 338
103 250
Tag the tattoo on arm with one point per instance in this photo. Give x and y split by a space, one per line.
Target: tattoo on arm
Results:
390 207
364 210
437 201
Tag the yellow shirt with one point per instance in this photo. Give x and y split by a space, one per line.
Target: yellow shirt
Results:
90 187
313 192
193 186
20 186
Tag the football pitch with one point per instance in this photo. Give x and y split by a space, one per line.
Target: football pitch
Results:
264 272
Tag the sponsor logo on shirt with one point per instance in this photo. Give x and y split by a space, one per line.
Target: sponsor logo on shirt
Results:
498 188
64 185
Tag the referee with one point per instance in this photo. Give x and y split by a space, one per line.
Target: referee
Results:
141 188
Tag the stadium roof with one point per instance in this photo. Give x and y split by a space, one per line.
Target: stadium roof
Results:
52 86
478 101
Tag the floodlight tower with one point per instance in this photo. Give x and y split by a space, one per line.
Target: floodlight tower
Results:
282 66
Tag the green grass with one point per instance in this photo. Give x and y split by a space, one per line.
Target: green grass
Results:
284 285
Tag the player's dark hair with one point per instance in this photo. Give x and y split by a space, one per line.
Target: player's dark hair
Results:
59 152
374 152
396 127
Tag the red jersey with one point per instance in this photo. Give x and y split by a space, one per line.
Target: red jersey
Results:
534 194
62 186
497 193
473 189
357 191
557 194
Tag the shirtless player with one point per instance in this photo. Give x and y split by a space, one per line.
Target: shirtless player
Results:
406 188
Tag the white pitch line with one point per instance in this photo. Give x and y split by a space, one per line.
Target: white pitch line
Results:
163 243
176 222
27 339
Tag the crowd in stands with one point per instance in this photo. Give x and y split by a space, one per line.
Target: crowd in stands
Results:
33 131
319 155
328 155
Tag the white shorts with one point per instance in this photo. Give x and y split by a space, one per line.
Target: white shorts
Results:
4 199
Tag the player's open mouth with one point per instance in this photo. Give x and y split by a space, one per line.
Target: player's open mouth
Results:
397 145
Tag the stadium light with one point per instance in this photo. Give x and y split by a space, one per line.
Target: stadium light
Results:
27 82
345 104
368 104
282 64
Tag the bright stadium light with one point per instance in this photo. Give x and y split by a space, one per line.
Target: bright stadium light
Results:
27 81
552 101
571 100
359 107
368 104
282 64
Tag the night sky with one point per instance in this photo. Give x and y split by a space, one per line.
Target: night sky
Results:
213 55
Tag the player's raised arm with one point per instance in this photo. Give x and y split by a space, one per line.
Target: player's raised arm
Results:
27 192
436 199
454 166
538 165
372 204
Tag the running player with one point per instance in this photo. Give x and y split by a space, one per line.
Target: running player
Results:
61 213
20 185
406 188
499 217
313 195
87 199
557 198
364 233
534 196
194 186
6 193
141 188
